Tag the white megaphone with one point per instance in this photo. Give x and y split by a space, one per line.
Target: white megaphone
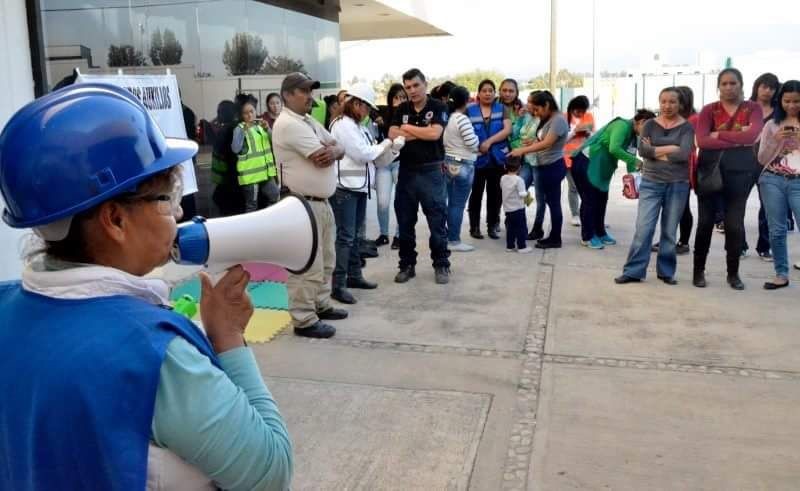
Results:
284 234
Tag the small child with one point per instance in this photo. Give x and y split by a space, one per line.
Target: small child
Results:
515 197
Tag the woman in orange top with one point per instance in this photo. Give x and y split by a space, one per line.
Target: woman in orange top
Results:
581 125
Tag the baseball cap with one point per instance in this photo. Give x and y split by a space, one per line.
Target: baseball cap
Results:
298 80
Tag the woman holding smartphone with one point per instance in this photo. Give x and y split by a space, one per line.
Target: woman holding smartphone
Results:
779 154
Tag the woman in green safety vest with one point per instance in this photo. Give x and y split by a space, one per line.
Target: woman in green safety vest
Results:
256 170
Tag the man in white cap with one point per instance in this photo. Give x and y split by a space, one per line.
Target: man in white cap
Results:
305 153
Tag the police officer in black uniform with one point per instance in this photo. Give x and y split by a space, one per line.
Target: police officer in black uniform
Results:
421 181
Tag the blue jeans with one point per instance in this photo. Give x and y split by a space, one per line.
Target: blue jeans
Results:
385 179
547 181
656 198
780 195
424 187
528 173
349 209
458 189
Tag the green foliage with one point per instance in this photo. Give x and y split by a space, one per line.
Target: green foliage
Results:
125 55
172 52
244 54
564 78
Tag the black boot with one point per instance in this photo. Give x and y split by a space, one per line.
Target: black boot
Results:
475 233
343 295
735 282
699 279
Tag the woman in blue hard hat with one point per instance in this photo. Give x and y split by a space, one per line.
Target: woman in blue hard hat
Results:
106 387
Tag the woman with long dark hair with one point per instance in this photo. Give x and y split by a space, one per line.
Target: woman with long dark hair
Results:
726 132
491 121
460 152
666 145
274 105
386 177
509 97
779 154
765 91
594 164
581 126
550 170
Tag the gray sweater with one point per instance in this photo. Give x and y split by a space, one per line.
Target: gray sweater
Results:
676 167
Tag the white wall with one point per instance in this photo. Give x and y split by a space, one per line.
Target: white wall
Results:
16 85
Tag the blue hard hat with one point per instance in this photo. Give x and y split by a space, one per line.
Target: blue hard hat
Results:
76 147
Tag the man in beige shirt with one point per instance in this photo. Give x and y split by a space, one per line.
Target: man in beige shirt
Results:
305 153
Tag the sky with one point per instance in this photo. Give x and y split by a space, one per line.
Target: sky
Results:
512 36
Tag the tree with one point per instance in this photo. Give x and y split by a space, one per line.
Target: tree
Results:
172 52
564 78
156 45
470 80
125 55
244 54
382 86
281 64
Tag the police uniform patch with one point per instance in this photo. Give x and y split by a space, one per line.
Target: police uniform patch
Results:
429 116
405 118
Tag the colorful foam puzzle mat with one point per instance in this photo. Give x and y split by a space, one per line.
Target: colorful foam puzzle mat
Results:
268 293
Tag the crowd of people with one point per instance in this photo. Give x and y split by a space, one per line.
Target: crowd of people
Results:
202 416
443 150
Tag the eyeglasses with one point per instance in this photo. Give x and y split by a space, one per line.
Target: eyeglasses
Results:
168 204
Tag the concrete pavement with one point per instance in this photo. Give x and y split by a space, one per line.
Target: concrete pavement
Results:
538 372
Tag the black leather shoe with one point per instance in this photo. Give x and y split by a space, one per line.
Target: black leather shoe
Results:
775 286
367 252
317 330
442 275
361 284
682 249
735 282
395 244
548 244
492 233
621 280
536 235
699 279
382 240
343 296
668 280
369 243
475 233
332 314
405 274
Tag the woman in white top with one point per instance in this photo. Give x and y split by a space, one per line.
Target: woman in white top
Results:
355 176
461 150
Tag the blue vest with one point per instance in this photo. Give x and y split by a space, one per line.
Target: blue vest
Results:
78 381
497 152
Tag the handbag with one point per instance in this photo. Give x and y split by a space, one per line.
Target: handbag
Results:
709 174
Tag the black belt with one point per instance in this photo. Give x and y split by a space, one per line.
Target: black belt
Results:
314 198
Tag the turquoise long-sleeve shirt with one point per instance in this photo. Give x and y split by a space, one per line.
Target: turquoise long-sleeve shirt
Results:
224 422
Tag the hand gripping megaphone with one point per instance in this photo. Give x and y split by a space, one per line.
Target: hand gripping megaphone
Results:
284 234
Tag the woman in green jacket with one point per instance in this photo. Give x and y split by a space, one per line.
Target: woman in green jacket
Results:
593 166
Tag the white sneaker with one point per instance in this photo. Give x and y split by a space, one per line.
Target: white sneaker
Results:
796 265
527 250
511 250
576 222
460 247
